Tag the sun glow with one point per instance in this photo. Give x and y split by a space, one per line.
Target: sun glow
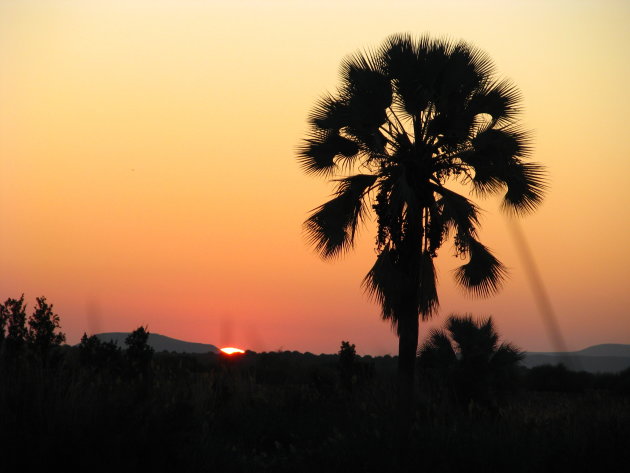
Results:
232 350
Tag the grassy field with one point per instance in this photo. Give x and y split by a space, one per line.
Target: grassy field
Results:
292 412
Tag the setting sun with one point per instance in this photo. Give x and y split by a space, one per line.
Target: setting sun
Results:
232 350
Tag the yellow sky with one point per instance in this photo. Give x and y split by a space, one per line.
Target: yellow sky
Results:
148 171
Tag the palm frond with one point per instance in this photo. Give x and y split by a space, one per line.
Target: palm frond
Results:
463 331
428 301
501 100
482 63
498 162
366 60
493 154
439 339
507 354
501 145
526 186
317 154
460 78
384 284
488 336
329 113
366 91
437 351
483 274
387 284
458 213
405 69
474 338
331 227
371 140
451 129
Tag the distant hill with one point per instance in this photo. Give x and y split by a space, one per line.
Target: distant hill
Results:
607 349
605 358
160 343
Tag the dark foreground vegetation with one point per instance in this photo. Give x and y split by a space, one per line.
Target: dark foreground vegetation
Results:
101 407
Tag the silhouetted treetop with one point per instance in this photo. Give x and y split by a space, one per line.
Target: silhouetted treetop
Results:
13 319
139 352
43 325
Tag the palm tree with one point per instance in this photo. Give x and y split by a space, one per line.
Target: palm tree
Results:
410 118
467 359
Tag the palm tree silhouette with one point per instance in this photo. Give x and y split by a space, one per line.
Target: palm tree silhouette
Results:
410 118
467 358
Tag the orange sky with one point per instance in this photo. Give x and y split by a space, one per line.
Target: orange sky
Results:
148 172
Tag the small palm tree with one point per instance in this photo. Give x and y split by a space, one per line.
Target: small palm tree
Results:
411 118
467 359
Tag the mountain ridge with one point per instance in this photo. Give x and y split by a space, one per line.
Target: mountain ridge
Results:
602 349
160 343
602 358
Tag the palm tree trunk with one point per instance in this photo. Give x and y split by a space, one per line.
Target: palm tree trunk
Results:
408 332
407 347
408 318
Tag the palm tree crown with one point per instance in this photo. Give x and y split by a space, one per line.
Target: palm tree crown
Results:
410 118
467 358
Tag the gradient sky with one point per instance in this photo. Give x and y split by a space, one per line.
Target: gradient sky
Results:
148 172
